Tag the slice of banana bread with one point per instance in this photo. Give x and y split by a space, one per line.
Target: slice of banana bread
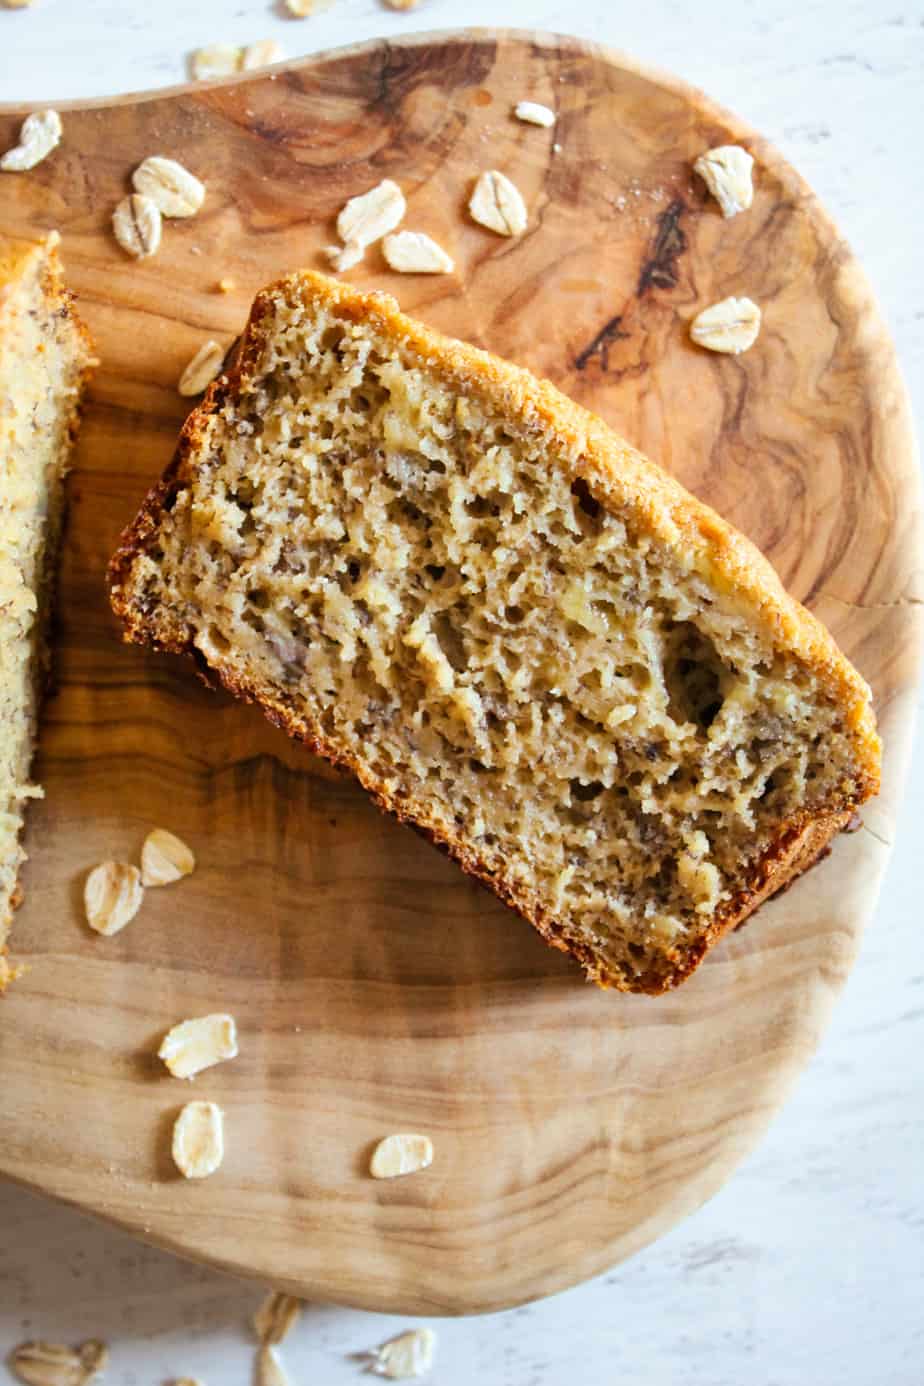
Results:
45 357
523 638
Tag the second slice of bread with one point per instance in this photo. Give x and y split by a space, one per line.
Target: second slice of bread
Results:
521 636
45 359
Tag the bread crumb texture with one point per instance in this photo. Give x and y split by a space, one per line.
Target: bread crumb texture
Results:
44 359
520 635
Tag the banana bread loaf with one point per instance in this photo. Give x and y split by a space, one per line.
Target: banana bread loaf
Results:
45 357
521 636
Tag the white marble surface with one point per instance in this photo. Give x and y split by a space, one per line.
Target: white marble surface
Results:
808 1268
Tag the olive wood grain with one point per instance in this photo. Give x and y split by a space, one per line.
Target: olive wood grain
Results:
377 989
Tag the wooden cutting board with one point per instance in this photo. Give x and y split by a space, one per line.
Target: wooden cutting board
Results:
375 987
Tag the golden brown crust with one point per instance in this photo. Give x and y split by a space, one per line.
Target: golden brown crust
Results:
621 477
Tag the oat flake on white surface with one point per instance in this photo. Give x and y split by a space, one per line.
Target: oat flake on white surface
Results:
270 1371
216 60
52 1364
261 54
276 1316
408 1355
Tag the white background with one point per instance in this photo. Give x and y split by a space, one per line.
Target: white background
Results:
808 1269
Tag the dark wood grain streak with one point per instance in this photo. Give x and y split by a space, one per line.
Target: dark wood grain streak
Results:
376 989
